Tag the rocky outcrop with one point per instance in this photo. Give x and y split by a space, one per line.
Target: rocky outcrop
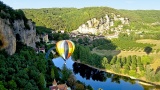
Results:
9 40
95 26
27 36
17 31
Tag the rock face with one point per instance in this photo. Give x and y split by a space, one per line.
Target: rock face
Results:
27 36
9 38
17 31
95 26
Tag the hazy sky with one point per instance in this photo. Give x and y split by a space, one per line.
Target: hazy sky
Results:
117 4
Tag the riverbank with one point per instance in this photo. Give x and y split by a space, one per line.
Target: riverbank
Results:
138 80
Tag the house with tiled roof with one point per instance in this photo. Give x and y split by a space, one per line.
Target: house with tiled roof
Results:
40 50
58 87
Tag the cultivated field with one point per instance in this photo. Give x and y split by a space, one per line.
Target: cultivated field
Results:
155 54
150 41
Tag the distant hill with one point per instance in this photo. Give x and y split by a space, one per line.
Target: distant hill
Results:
66 18
143 19
71 18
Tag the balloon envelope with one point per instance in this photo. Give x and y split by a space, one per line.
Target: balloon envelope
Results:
65 48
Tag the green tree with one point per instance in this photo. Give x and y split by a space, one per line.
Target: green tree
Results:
12 84
145 60
80 41
123 61
2 86
134 60
71 80
79 86
116 68
126 69
65 73
56 73
113 60
89 87
86 40
108 66
149 74
42 81
141 67
128 60
118 60
52 73
133 73
29 86
60 38
148 50
133 66
139 60
104 62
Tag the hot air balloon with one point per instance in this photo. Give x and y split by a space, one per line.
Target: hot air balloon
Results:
65 48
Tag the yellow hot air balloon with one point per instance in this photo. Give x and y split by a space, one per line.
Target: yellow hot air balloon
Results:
65 48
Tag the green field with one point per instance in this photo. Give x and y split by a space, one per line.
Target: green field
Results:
124 51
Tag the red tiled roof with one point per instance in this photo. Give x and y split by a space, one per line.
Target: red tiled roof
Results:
54 82
58 87
62 87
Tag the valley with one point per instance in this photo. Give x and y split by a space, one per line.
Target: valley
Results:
121 42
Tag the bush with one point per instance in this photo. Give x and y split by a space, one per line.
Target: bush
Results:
148 49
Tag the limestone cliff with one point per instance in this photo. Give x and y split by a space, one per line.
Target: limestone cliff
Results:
8 40
27 36
95 26
16 31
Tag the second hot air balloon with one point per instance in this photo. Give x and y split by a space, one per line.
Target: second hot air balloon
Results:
65 48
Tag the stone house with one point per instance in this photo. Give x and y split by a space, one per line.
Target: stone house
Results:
40 50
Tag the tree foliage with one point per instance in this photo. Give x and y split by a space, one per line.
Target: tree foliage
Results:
148 49
66 18
65 73
25 69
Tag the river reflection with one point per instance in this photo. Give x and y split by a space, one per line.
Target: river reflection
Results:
95 74
100 79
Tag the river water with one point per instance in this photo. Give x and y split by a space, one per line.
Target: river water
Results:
100 79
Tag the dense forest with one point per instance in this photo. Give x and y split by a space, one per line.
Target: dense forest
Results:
143 19
66 18
24 70
71 18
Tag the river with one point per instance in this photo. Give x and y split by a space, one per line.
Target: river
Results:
100 79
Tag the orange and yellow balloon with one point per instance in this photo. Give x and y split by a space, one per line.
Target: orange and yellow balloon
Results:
65 48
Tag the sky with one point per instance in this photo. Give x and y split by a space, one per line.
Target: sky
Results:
117 4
